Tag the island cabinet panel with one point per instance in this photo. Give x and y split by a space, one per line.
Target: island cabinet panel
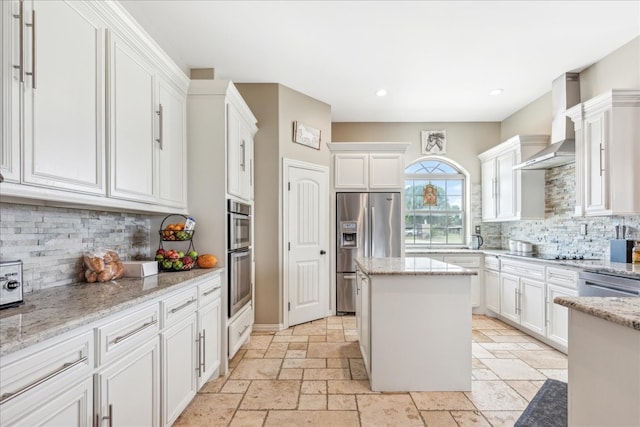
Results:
604 372
420 332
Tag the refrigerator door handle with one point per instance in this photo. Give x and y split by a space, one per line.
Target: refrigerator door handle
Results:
366 233
373 223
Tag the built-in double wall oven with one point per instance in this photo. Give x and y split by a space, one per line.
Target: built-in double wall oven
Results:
239 255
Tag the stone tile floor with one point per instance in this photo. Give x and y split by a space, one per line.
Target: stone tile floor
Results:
313 374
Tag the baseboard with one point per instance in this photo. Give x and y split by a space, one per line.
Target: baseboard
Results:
266 327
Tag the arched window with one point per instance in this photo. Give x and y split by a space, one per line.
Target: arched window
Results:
436 203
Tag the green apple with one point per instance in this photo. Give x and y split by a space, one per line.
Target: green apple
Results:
193 254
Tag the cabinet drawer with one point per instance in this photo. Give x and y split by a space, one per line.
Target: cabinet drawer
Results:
57 359
523 269
239 330
491 263
463 261
177 306
563 277
209 290
125 333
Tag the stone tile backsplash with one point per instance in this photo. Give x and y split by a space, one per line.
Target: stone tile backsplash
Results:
51 241
560 232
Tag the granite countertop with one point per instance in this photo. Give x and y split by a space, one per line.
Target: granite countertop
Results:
54 311
416 266
624 311
591 265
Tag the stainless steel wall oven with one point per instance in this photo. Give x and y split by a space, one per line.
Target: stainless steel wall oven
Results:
239 255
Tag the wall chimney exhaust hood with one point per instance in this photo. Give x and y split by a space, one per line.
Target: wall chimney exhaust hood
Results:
565 93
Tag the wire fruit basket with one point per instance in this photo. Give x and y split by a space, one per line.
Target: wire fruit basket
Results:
176 259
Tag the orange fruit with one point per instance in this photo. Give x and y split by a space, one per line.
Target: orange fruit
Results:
207 261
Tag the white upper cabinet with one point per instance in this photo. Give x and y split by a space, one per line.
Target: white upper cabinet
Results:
9 93
386 170
171 146
351 171
132 108
368 166
502 186
61 64
240 133
93 112
607 152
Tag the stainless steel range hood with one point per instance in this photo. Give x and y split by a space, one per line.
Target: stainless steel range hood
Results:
565 93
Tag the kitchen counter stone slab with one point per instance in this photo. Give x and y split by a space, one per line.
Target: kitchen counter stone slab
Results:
591 265
624 311
54 311
417 266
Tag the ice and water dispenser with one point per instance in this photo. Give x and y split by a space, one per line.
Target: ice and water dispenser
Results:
349 234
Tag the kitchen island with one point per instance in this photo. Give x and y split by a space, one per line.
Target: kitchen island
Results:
604 360
413 317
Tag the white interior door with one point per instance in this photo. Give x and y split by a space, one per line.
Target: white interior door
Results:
307 241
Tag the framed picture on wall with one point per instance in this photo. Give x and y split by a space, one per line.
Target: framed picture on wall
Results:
306 135
433 142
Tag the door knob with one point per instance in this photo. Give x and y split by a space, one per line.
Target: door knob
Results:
322 252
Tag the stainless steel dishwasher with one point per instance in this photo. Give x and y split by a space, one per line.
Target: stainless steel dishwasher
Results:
607 285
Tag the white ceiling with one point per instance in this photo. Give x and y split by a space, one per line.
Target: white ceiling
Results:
436 59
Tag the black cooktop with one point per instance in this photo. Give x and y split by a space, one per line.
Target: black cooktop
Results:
551 257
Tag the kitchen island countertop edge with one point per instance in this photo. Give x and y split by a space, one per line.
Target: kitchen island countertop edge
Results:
624 311
416 266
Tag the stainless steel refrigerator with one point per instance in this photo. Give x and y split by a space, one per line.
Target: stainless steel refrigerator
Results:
368 225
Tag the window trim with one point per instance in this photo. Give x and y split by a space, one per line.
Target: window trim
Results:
466 198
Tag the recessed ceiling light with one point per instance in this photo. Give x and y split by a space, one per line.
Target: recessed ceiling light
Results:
494 92
381 92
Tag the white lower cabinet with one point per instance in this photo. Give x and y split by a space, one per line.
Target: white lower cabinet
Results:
69 407
532 304
492 283
561 282
138 367
208 341
46 384
522 291
509 288
179 384
129 389
240 330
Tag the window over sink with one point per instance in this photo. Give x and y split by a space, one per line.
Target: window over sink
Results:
436 192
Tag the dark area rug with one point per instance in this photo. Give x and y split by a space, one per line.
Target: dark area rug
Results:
548 408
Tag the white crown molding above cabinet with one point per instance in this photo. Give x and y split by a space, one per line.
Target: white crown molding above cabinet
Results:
368 146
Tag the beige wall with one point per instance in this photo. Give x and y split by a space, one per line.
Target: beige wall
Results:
276 107
296 106
618 70
464 140
534 119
